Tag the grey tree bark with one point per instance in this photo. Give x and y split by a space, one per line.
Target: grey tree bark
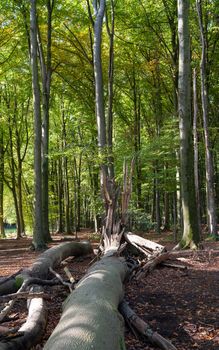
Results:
39 241
209 164
2 232
196 150
190 222
46 72
98 75
111 33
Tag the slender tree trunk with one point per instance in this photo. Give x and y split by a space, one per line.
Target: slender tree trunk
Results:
190 222
157 200
66 195
175 231
13 186
77 184
65 174
137 138
2 231
195 136
110 91
166 223
46 83
38 236
60 228
209 166
98 74
20 197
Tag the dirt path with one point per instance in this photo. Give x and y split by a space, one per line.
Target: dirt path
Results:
182 305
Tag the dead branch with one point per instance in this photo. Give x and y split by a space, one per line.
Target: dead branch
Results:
151 264
177 266
69 275
143 328
24 295
67 284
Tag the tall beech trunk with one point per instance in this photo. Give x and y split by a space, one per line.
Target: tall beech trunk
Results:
77 185
39 241
60 228
65 173
46 72
209 165
99 9
111 33
137 136
2 231
195 136
13 185
190 222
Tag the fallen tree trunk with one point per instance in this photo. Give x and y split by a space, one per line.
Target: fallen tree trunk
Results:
90 318
50 258
145 246
32 331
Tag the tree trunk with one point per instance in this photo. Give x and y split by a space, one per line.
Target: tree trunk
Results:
60 228
195 136
2 231
46 72
190 223
39 241
90 319
99 93
111 33
209 166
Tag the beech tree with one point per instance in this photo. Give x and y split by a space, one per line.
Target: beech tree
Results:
209 163
191 235
39 241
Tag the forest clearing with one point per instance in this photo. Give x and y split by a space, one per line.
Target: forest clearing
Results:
109 174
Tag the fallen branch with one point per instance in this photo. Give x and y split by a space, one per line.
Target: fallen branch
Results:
59 277
24 295
10 304
177 266
151 264
69 275
143 328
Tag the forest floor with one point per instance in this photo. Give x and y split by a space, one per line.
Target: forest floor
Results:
181 304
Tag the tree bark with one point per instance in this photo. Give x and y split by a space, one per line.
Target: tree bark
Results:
111 33
46 72
99 93
190 223
209 166
39 241
2 231
195 136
